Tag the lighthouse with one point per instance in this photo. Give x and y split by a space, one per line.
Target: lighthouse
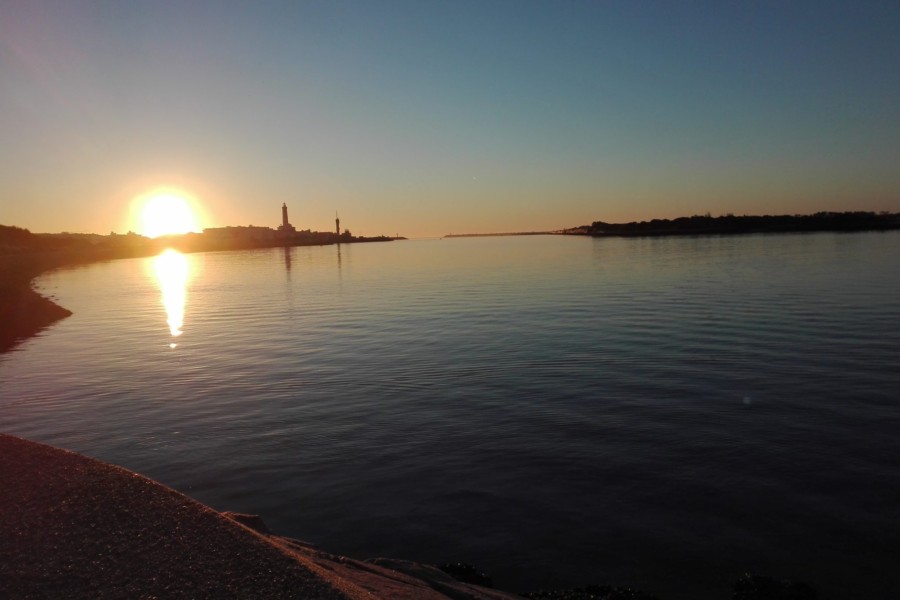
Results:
285 226
337 225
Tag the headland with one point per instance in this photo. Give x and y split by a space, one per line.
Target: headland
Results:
25 255
734 225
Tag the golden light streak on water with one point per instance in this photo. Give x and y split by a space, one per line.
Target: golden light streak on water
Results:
172 271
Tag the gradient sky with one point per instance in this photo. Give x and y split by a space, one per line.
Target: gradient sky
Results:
424 118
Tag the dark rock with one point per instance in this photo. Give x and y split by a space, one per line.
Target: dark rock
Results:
254 522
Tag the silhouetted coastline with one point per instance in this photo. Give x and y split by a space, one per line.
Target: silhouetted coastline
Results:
25 255
732 225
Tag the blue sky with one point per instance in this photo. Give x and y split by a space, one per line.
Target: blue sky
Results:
425 118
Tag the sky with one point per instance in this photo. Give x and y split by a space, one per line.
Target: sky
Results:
425 118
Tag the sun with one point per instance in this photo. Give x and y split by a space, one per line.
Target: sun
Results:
166 212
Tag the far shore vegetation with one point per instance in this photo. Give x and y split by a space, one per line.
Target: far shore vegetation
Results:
730 224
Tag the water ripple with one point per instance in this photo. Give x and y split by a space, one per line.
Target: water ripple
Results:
553 409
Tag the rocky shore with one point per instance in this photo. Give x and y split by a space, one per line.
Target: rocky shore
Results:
73 527
77 528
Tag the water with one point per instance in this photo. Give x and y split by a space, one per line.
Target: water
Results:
660 413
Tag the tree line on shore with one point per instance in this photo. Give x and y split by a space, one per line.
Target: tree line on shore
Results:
731 224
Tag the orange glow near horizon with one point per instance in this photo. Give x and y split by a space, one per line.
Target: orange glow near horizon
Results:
165 211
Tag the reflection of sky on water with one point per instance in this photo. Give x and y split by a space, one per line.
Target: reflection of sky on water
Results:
171 271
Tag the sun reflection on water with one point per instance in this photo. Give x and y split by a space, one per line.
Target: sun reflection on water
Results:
172 271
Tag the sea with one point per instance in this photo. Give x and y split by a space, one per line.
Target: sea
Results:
661 413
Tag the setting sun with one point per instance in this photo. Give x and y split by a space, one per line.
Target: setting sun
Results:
166 212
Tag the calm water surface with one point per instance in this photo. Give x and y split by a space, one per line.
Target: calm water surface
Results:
659 413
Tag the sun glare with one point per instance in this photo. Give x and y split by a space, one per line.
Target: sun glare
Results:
172 271
166 213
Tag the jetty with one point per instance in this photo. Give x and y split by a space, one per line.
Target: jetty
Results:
78 528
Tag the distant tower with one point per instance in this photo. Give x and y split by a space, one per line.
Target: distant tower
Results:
337 225
285 228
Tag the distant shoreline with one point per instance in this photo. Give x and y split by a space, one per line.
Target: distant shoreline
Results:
724 225
25 256
837 222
